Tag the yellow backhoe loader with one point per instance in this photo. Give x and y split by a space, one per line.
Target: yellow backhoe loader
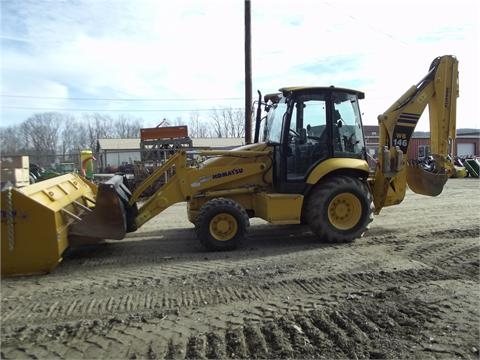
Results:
307 165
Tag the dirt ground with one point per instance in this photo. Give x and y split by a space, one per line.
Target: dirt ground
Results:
408 289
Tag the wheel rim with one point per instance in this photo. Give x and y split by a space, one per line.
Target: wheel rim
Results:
345 211
223 227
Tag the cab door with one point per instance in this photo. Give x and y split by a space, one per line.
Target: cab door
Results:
305 142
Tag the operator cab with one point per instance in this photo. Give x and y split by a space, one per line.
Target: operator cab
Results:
308 125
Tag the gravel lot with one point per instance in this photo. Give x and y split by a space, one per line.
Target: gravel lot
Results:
408 288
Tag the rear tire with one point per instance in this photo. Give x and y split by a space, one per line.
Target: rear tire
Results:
339 209
221 224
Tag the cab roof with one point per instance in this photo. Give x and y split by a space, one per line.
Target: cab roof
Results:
294 89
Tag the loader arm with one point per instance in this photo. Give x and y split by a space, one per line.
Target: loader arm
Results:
189 182
439 90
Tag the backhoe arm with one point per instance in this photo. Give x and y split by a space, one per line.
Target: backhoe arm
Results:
439 90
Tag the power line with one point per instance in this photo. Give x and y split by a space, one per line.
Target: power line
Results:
115 110
114 99
364 23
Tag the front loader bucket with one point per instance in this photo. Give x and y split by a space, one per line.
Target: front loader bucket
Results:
35 222
108 220
425 182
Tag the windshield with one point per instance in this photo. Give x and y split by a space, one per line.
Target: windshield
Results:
272 132
348 126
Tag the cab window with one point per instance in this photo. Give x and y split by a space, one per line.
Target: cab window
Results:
307 138
348 133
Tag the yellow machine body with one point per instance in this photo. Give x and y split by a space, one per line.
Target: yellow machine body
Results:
278 208
330 186
243 174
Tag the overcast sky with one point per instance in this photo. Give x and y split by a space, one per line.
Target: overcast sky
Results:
166 59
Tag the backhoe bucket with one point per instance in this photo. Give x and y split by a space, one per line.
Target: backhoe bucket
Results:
37 220
425 182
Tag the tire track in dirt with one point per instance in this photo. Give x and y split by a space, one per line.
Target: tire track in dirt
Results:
331 331
455 251
157 296
354 328
88 278
169 299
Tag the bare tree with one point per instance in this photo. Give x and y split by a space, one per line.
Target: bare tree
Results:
234 122
228 123
81 140
178 121
194 124
68 135
196 127
218 124
45 136
74 138
11 141
202 131
126 127
98 127
42 132
238 123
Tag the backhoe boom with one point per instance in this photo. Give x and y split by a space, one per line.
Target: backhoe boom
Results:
439 90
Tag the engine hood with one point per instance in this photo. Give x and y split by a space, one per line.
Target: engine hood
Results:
234 159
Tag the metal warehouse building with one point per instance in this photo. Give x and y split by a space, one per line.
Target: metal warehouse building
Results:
467 143
117 152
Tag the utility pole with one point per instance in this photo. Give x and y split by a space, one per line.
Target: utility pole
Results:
248 75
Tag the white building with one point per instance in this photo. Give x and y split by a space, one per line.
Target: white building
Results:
115 152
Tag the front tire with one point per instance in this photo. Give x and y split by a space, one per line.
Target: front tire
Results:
339 209
221 224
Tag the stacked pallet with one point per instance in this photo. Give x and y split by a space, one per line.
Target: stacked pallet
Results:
15 170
